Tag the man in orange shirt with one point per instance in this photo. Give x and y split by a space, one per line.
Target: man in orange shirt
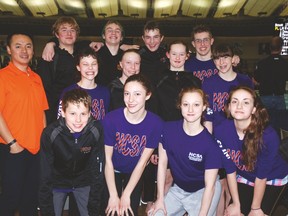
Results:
22 119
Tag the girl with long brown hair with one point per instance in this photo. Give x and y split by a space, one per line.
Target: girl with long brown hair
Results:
256 173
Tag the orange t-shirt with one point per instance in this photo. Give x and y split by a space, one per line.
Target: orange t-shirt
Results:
22 105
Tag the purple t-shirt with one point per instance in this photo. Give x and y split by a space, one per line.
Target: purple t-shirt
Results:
129 140
100 100
218 90
269 163
190 156
201 69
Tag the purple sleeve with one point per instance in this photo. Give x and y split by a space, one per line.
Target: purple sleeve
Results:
267 157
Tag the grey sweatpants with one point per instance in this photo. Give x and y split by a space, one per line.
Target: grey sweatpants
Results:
178 201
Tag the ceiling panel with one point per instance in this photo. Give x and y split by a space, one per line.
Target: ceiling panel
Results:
197 8
104 8
254 8
138 9
229 7
42 7
164 8
10 6
72 7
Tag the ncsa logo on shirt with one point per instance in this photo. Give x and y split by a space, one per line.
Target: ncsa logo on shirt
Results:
195 157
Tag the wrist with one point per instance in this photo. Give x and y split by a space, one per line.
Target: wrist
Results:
255 209
12 142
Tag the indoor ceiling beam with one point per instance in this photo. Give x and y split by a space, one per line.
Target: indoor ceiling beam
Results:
279 9
120 11
150 9
60 10
88 9
241 12
179 12
24 8
213 9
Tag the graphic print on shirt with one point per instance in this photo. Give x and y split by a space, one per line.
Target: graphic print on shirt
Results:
205 74
98 109
224 150
219 100
236 157
195 157
233 155
130 145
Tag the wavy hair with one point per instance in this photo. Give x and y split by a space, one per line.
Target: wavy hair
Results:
253 141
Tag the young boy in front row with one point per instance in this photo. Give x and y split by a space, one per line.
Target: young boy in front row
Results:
72 152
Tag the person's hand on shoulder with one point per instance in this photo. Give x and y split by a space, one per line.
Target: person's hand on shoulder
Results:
48 51
125 47
96 46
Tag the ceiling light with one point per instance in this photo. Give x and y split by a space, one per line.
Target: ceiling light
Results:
227 14
165 14
197 14
7 12
134 15
262 13
102 14
41 13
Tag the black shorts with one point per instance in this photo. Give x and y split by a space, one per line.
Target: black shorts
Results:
270 197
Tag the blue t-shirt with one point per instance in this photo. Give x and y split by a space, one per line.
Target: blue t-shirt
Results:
100 100
190 156
129 140
269 163
218 90
201 69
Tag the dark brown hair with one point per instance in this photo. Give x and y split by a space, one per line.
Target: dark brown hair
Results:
253 142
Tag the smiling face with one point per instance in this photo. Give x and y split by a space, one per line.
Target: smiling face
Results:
88 67
152 39
66 35
202 43
192 107
177 56
130 64
76 116
241 106
112 34
135 96
21 51
224 64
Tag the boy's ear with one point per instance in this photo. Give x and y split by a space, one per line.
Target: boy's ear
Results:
62 113
148 96
168 55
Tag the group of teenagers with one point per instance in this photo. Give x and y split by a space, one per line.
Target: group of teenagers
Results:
150 113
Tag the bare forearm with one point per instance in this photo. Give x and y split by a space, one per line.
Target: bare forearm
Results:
232 183
206 200
138 171
259 189
110 179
